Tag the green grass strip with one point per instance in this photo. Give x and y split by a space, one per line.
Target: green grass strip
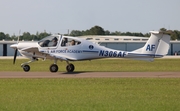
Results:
90 94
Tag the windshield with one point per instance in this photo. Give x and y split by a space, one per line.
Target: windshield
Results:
50 41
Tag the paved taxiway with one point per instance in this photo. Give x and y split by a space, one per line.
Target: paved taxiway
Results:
89 74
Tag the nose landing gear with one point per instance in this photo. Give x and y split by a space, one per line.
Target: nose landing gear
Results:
25 65
26 68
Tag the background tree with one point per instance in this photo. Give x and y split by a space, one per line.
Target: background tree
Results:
8 37
42 35
147 35
162 29
76 33
26 36
96 30
107 32
2 36
34 37
116 33
175 35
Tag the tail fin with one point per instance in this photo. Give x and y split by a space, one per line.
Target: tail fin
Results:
156 46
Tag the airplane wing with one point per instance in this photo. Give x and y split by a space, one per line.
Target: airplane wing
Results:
30 49
34 52
49 56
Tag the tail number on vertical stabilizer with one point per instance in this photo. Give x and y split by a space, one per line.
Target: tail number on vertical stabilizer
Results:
112 53
150 47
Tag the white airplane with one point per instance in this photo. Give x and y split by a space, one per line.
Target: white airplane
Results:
66 48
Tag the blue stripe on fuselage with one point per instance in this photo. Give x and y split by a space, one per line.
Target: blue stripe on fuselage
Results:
90 51
136 54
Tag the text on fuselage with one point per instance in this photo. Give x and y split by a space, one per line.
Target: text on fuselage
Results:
64 51
150 47
104 53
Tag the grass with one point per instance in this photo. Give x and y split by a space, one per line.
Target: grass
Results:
90 94
107 65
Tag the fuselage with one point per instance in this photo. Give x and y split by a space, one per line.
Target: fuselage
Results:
81 49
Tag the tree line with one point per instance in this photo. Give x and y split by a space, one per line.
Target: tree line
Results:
96 30
25 36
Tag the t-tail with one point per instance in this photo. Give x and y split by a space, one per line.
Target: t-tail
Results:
157 46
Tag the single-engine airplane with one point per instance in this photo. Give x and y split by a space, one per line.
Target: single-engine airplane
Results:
66 48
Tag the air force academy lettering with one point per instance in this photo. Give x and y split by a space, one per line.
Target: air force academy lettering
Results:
63 51
104 53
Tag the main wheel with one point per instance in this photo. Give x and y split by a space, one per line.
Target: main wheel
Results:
26 68
70 68
53 68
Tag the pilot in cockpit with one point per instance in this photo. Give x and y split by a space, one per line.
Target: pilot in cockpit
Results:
54 40
45 43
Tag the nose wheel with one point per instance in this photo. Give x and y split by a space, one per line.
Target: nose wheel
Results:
26 68
53 68
70 68
25 65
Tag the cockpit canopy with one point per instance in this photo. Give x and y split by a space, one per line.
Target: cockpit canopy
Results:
50 41
54 40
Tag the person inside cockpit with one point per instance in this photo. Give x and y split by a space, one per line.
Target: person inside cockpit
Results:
54 40
73 42
64 41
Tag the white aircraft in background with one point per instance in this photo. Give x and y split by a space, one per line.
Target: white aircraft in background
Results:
66 48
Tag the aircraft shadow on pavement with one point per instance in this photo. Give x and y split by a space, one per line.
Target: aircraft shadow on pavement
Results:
77 72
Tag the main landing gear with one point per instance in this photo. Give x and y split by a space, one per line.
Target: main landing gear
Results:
70 68
53 67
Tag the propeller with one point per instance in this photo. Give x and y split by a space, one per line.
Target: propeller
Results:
15 53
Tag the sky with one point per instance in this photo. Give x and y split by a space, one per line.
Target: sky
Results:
59 16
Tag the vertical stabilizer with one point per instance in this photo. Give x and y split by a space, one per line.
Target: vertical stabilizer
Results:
156 46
